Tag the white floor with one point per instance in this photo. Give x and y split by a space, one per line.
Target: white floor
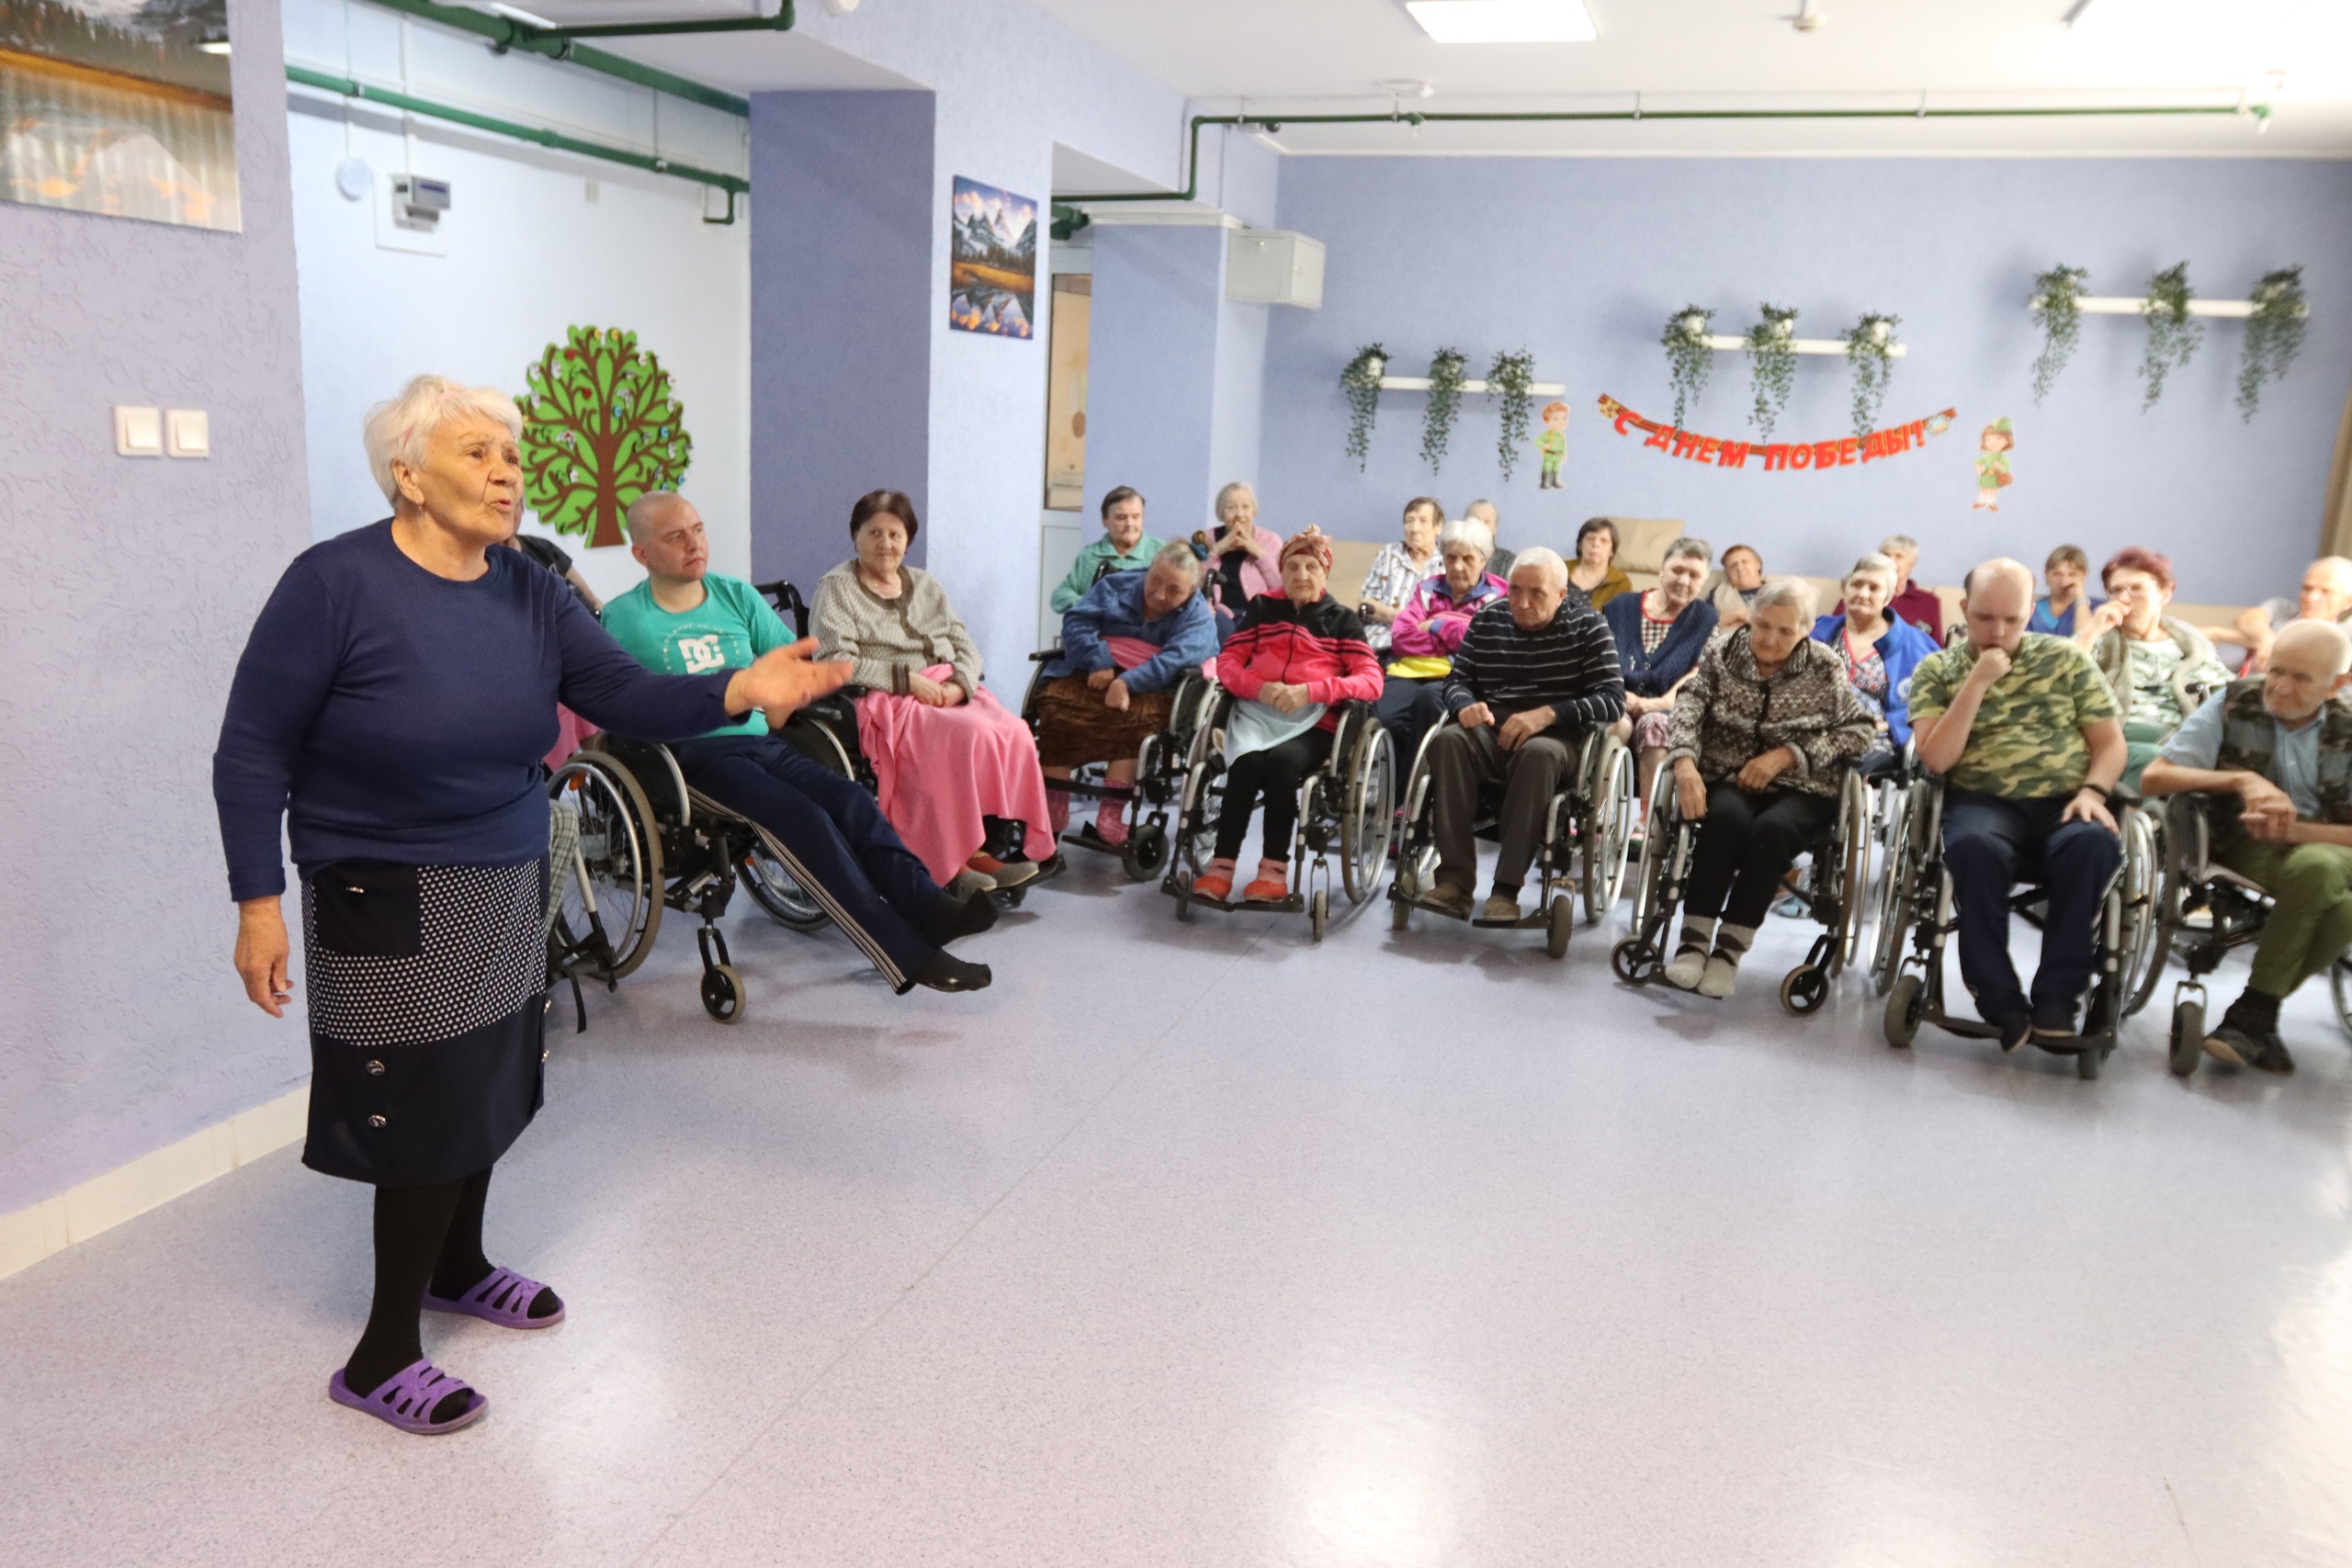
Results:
1203 1245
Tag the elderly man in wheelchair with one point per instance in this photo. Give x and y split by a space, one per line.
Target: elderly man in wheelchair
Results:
2269 760
834 840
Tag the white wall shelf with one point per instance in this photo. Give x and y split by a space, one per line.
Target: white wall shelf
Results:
1421 384
2126 305
1726 343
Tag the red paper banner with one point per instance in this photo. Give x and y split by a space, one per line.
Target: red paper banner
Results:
1719 453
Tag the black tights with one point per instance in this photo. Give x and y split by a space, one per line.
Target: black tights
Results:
423 1235
1276 773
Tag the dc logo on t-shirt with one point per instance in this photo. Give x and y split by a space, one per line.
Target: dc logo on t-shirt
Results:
702 654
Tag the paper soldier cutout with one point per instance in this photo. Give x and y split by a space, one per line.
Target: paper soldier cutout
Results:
1552 444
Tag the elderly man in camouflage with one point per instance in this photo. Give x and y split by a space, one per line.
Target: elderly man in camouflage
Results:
2278 748
2026 733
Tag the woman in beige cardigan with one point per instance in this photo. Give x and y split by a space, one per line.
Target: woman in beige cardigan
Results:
946 754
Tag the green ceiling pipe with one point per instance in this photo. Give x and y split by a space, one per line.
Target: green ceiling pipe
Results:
780 23
505 33
2259 112
734 185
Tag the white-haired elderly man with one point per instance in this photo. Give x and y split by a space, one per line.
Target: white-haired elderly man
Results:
685 618
1532 675
2275 749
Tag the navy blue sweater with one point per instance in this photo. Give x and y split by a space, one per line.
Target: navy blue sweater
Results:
387 714
1654 674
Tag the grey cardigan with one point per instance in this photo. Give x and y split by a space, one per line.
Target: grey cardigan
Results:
2199 675
1726 713
892 639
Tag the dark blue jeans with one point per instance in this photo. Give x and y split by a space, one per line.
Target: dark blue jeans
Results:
1991 844
838 845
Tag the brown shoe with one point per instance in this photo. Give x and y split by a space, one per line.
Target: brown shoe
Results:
1498 910
1447 899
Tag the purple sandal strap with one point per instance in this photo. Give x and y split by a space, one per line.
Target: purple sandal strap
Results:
503 1297
405 1400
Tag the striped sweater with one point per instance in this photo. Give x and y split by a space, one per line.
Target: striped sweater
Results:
1320 646
1568 664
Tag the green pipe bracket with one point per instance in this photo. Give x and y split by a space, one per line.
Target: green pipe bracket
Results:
734 185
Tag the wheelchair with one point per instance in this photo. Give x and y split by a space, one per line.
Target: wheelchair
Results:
1920 911
1837 894
1347 805
1587 834
2204 911
1161 765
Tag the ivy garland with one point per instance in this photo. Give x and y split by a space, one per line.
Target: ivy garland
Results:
1445 400
1360 381
2173 333
1870 350
2057 310
1511 376
2274 333
1772 363
1688 360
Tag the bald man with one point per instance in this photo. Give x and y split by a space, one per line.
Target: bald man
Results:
2325 595
2025 731
2276 751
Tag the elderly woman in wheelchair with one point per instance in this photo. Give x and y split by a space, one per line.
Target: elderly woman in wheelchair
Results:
1299 677
1761 745
2260 838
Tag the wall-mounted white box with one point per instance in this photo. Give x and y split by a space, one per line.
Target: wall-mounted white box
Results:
188 433
138 431
1273 266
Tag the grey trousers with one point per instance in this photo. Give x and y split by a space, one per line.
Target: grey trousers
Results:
1460 761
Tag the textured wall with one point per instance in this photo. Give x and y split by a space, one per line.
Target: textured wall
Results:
1582 260
130 588
1152 371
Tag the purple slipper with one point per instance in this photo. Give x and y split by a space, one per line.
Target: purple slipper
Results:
503 1298
406 1399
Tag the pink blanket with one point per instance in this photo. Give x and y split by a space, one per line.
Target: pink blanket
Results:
940 770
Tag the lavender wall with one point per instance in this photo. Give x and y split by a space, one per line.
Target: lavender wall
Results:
1581 261
840 239
130 586
1152 371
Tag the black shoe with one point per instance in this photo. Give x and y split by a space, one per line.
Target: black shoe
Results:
2243 1047
2055 1021
2015 1028
945 972
950 917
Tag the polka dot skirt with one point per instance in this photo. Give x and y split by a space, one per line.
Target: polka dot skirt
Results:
482 957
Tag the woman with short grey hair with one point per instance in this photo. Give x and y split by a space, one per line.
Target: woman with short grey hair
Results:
390 712
1429 628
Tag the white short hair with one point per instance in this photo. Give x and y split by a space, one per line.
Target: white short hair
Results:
1791 590
1227 492
1466 531
1898 545
1545 559
1874 563
397 431
1690 548
2324 636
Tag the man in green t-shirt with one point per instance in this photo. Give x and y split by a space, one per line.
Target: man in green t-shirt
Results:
684 619
1123 547
2023 728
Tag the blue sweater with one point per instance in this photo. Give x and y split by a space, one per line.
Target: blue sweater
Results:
1654 674
1900 648
1114 608
387 714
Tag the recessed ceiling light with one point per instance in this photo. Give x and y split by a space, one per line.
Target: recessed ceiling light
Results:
1504 21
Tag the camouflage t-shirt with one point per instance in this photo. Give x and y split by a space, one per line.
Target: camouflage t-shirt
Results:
2027 742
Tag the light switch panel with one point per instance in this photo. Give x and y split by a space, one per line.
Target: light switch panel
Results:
137 433
188 433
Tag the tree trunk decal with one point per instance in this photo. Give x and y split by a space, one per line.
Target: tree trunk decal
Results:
600 428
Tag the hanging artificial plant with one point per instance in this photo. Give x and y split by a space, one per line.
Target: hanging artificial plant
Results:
1870 349
1361 380
1445 400
1772 363
2057 310
2173 333
2274 333
1688 360
1511 377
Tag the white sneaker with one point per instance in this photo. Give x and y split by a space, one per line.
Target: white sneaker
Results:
1722 975
1684 973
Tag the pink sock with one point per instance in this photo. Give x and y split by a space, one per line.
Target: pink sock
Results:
1058 811
1109 821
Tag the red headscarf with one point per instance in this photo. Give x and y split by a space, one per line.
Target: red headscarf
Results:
1310 543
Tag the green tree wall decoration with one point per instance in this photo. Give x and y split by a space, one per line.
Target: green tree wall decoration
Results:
600 427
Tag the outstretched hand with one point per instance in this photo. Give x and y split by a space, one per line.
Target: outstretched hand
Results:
782 681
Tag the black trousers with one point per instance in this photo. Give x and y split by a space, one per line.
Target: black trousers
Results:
1746 846
1408 707
1990 844
1275 773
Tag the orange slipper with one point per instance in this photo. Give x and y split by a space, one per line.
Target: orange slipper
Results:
1216 882
1271 887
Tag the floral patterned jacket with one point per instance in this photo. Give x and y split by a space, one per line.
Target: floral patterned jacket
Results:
1727 714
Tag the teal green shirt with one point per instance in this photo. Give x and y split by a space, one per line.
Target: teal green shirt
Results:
729 629
1091 566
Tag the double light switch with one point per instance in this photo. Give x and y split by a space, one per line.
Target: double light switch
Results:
156 432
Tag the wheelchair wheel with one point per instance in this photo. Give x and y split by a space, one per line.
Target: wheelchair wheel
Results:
1804 989
1319 911
612 907
1894 902
1370 819
775 888
2339 986
1905 1004
722 993
1561 922
1635 961
2089 1062
1853 871
2147 937
1146 855
1608 831
2188 1042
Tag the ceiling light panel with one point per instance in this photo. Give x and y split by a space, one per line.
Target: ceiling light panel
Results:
1504 21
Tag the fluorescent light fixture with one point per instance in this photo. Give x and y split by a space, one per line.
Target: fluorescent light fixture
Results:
1504 21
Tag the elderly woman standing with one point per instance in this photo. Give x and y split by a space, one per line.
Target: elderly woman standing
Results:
1761 734
946 754
391 707
1429 628
1294 657
1401 566
1879 648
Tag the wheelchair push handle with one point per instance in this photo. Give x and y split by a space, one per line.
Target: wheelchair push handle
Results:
788 602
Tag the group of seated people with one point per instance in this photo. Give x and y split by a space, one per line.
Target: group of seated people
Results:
1753 698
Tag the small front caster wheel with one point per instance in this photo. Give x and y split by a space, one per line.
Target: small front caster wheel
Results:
722 993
